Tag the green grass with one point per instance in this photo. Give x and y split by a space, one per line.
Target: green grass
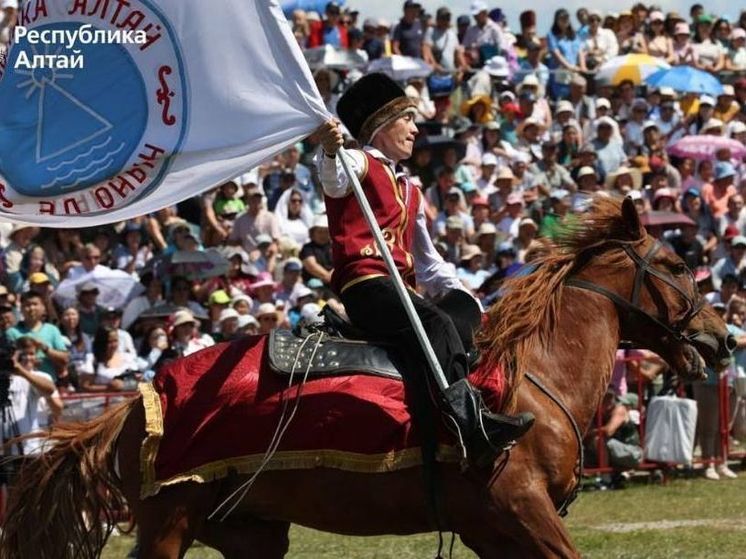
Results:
604 524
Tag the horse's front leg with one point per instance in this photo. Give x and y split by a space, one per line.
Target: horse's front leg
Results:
522 524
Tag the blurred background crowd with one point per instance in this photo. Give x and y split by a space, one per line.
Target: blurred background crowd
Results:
519 127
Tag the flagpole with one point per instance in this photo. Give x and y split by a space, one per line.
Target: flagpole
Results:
401 290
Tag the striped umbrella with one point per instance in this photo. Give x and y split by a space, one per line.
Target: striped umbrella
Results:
634 67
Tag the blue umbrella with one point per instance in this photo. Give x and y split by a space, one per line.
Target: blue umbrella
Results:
319 6
686 79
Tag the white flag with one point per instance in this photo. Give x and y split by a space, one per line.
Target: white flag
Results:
111 109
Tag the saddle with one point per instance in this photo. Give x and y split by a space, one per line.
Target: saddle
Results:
338 348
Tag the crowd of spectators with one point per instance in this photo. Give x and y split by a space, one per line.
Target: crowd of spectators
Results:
516 134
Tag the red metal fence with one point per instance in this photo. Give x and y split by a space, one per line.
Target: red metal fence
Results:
640 383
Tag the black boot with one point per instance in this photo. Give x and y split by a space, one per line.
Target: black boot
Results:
485 434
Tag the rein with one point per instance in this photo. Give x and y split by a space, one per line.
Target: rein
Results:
563 508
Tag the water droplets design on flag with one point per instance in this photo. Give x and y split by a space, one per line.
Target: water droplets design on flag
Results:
103 134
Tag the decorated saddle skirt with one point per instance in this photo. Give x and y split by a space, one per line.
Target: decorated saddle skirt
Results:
215 412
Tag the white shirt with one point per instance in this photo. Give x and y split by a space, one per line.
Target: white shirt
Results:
431 271
25 400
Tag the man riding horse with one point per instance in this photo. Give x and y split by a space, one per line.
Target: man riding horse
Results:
381 118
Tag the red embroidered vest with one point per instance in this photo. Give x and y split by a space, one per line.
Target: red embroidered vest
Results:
354 252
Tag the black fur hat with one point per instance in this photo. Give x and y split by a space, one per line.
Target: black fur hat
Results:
371 102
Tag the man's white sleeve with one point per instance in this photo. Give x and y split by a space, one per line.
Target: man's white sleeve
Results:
332 175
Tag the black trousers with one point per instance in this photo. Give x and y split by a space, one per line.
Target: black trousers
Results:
374 306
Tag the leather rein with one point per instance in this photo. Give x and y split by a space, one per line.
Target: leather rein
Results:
644 266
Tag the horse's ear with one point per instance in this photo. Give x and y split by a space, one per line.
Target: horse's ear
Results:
632 219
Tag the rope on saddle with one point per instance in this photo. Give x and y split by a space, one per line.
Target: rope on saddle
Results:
562 509
233 500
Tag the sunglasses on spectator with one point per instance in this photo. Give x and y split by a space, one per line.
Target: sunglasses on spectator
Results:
296 200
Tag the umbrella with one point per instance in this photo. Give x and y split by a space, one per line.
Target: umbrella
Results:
665 219
197 264
115 288
634 67
164 310
334 58
686 79
401 68
705 147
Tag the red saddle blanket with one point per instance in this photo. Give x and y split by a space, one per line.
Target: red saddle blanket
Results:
215 412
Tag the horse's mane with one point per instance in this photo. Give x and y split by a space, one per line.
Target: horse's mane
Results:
528 312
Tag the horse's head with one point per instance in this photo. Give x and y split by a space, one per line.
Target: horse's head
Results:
659 305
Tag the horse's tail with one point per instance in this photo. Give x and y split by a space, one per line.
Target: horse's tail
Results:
64 503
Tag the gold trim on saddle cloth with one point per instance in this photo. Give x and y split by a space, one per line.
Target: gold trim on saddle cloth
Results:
282 460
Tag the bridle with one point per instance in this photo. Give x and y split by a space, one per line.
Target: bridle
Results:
631 306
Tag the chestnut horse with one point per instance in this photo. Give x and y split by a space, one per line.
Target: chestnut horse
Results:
604 281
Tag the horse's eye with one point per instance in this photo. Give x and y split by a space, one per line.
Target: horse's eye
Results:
679 269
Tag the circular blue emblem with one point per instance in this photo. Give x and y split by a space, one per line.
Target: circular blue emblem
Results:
72 128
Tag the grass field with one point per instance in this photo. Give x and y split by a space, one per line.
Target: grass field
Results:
682 519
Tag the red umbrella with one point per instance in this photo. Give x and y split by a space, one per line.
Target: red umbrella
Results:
666 219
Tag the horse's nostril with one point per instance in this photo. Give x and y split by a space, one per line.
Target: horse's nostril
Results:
730 343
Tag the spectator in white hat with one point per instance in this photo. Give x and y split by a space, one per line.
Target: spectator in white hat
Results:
736 59
726 106
316 254
485 182
185 335
683 49
470 270
484 39
228 325
268 317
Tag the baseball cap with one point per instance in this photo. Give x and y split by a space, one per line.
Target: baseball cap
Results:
263 239
706 100
320 221
470 251
478 6
454 191
505 173
489 159
656 16
559 194
487 228
454 222
514 198
246 320
88 287
738 240
227 314
585 172
480 201
293 265
266 308
565 106
603 102
37 278
727 91
3 290
682 28
219 297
